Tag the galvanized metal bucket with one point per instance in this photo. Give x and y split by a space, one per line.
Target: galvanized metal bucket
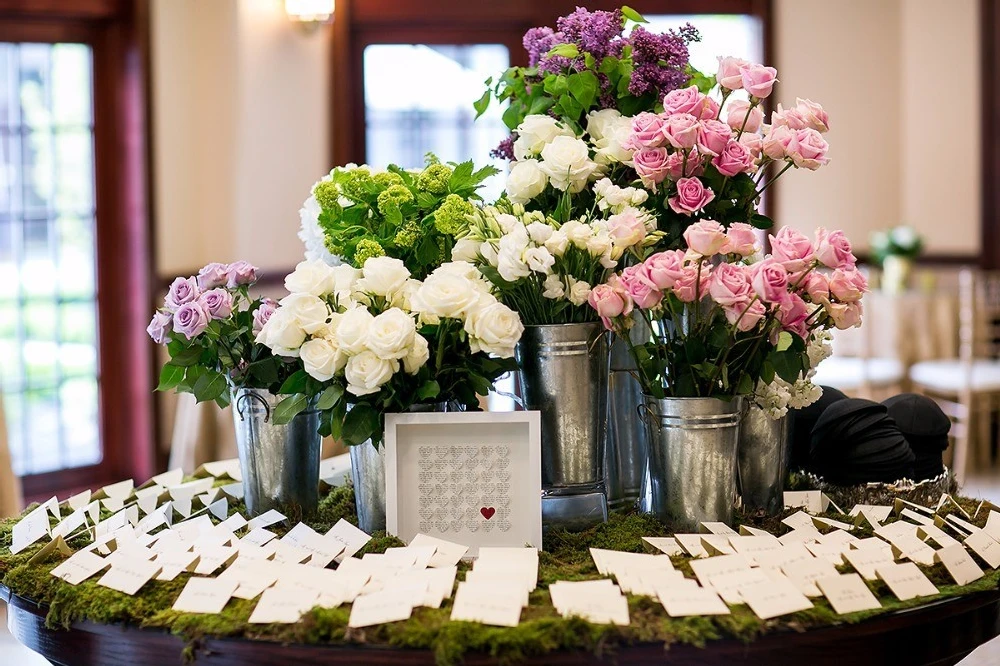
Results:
280 463
628 440
564 375
692 459
762 463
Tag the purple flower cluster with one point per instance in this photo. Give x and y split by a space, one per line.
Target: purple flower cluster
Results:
598 33
505 149
659 61
192 302
539 41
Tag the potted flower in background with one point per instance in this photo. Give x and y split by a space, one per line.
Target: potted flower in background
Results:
895 250
208 324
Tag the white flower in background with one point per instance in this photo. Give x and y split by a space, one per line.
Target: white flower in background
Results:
819 348
577 233
614 198
352 333
905 237
507 222
525 181
539 232
539 260
366 372
611 147
445 294
282 334
403 297
489 252
579 291
310 312
554 287
382 276
566 161
534 132
466 249
510 254
599 244
321 358
417 356
390 334
494 329
311 277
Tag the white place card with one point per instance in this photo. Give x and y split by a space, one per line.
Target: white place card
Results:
906 581
810 500
899 504
173 477
983 545
290 554
121 490
919 518
70 524
692 544
752 547
440 583
266 519
686 601
905 544
490 605
222 468
213 538
379 608
800 521
129 575
282 605
803 574
937 535
234 522
147 499
865 561
322 550
747 530
174 563
872 543
219 508
350 537
113 504
801 535
665 545
181 506
837 537
955 521
187 491
717 544
879 512
597 601
728 585
713 566
820 521
831 552
848 593
29 529
774 598
509 579
79 501
258 537
993 525
647 582
252 577
234 490
79 567
948 499
959 564
717 528
418 557
212 559
446 553
777 558
204 595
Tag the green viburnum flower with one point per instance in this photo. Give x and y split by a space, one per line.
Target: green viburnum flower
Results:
430 158
366 249
327 195
450 218
386 179
393 198
434 179
358 183
408 234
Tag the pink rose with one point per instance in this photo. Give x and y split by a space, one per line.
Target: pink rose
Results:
218 303
608 302
684 100
730 285
791 249
758 80
817 286
734 159
754 144
776 141
807 149
652 165
834 250
681 130
793 313
676 168
741 239
713 135
640 288
770 281
240 273
845 315
190 320
705 237
647 131
743 116
159 327
663 269
263 313
182 290
213 275
848 286
691 197
688 288
745 315
729 74
626 228
813 114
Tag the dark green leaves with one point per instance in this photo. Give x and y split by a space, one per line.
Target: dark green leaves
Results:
209 386
288 408
170 376
583 86
360 423
330 397
187 357
482 103
428 390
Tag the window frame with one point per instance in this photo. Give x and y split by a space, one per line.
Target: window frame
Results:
117 32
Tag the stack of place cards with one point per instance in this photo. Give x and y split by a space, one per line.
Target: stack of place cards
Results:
497 587
597 601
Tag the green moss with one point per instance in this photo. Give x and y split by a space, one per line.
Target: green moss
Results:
541 630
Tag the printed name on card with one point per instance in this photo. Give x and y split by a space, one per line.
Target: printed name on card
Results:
959 564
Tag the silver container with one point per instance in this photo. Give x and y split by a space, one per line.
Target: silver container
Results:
564 375
692 459
762 463
368 475
280 463
628 440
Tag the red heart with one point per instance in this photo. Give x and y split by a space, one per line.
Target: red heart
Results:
487 512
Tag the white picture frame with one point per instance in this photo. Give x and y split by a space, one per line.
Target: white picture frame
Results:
441 466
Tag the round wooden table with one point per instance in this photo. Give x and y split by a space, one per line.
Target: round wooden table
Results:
942 632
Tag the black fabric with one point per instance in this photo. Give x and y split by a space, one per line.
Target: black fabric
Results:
926 429
801 425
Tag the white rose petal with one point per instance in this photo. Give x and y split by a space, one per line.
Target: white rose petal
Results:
579 291
344 279
321 359
566 161
382 276
539 232
557 242
494 329
366 372
352 331
390 334
534 132
466 249
311 312
598 122
311 277
525 181
417 356
446 295
282 334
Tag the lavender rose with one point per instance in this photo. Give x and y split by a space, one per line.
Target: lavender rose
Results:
159 327
218 303
182 290
191 320
213 275
241 273
263 313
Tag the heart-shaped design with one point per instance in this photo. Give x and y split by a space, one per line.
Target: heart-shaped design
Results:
487 512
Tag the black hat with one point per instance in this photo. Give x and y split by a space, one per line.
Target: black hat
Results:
801 422
926 429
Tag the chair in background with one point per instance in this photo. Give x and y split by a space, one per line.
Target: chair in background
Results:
969 385
10 485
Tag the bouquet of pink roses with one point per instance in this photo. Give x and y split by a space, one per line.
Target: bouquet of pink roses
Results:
724 318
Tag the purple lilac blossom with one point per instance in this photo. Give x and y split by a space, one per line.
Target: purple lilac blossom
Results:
659 61
159 327
505 149
182 290
191 320
218 303
537 42
594 32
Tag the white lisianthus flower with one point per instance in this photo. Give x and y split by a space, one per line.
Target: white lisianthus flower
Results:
539 260
321 358
506 222
539 232
391 333
525 181
557 242
366 372
311 277
494 329
489 253
600 243
352 331
553 287
446 294
578 233
468 271
382 276
566 161
311 312
599 122
579 291
466 249
534 132
417 355
282 334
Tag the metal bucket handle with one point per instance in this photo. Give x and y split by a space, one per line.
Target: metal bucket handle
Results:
645 412
252 396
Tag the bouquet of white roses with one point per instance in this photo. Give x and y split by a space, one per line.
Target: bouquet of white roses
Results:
380 341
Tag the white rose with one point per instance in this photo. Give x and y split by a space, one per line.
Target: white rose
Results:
534 132
494 329
366 372
557 242
391 333
311 277
539 232
579 291
417 355
611 147
446 295
566 161
352 331
525 181
321 358
539 260
577 233
382 276
598 122
554 288
282 333
311 312
466 249
344 279
469 272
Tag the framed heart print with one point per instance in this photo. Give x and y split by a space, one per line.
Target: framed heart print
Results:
468 477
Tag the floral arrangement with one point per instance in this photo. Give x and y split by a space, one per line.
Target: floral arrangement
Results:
375 340
777 397
356 213
901 241
725 320
545 269
208 323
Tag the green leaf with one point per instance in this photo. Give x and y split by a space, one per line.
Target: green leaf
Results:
482 103
330 397
745 387
428 390
170 376
360 424
583 86
787 365
784 341
187 357
512 117
296 383
632 15
264 371
287 409
761 221
209 386
564 50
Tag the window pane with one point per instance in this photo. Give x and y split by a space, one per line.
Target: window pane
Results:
48 309
739 35
418 99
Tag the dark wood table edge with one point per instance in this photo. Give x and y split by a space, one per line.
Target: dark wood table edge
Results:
941 632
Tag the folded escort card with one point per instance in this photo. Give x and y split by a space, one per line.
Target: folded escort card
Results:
865 561
959 564
713 566
847 593
379 608
487 605
687 601
79 567
350 537
983 545
282 605
204 595
267 518
803 574
906 581
773 598
665 545
29 529
728 585
129 575
446 553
